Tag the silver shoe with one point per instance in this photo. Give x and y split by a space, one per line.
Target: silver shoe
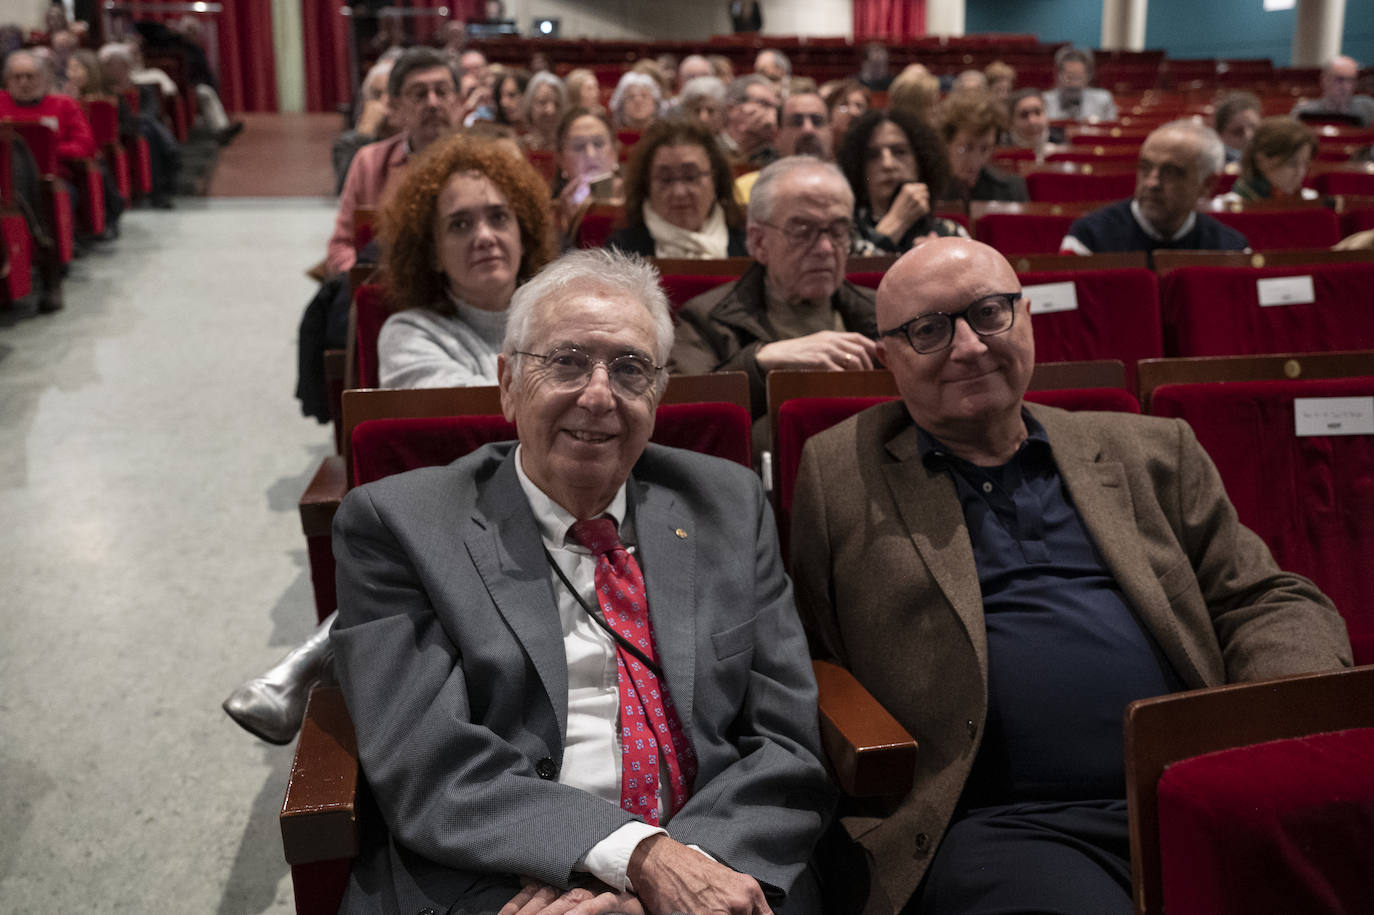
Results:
272 706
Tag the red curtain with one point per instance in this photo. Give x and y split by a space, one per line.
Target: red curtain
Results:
247 61
889 20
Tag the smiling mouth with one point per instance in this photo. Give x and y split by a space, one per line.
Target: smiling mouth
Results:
590 438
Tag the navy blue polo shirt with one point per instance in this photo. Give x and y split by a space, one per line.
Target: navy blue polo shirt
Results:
1066 652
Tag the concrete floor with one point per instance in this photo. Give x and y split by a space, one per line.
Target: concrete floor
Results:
151 455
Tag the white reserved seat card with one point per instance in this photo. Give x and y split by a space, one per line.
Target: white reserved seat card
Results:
1286 290
1333 416
1050 297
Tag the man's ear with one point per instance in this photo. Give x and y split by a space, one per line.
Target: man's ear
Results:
753 243
505 374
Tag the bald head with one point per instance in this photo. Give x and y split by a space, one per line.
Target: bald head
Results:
962 301
1338 81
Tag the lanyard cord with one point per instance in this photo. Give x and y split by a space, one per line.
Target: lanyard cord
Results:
596 618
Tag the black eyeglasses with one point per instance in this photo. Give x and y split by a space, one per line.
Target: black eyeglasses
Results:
804 234
570 369
987 317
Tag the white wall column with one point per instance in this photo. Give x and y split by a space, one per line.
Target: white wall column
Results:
288 44
945 17
1317 35
1123 24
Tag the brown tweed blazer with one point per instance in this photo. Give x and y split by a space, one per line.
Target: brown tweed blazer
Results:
886 584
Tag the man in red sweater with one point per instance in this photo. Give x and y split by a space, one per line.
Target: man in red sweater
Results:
27 98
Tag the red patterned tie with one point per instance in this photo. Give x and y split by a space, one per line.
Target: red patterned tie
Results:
649 725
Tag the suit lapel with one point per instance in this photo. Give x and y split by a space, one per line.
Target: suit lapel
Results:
930 509
506 549
668 561
1101 494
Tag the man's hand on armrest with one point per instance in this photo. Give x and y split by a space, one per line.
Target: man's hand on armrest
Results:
670 877
540 899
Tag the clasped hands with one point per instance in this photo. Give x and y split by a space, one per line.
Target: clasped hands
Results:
668 877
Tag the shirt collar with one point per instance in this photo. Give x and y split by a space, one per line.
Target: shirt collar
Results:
935 455
553 519
1154 233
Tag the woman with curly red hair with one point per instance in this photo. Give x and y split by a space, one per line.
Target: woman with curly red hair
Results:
469 222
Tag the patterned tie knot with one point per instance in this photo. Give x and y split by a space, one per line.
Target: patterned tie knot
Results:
598 535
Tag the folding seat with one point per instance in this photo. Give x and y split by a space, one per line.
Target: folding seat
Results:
140 154
1253 797
1344 179
1222 311
1279 226
1024 228
1356 214
57 203
597 224
14 231
104 117
1297 459
1096 155
1074 182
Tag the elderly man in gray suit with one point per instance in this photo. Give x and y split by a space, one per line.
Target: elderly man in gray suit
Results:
536 738
1005 578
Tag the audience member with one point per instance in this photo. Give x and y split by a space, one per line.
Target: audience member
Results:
1276 162
636 102
186 38
849 99
774 66
1001 79
745 17
481 214
1029 127
892 161
969 122
1072 98
422 92
511 723
805 131
1080 560
751 120
679 196
1338 95
587 164
473 62
793 308
915 91
1237 116
723 69
546 101
874 69
583 89
703 99
84 79
1179 163
692 66
667 65
510 99
970 81
164 152
373 121
28 96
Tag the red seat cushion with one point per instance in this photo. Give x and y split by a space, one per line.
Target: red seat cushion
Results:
682 288
1024 233
370 313
19 249
1283 826
1061 187
1310 499
1282 230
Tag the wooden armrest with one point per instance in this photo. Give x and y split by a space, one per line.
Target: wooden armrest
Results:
319 818
322 497
870 753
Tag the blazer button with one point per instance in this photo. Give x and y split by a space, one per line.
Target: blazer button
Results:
972 729
922 843
545 769
427 911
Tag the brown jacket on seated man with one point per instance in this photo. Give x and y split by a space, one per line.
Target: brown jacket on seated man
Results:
1005 578
793 308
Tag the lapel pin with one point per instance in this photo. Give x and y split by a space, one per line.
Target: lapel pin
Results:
681 534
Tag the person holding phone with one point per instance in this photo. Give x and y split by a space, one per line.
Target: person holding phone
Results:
587 155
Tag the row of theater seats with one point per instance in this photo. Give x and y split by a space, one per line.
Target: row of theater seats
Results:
1307 496
128 159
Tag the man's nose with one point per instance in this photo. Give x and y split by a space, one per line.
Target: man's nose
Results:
598 395
966 341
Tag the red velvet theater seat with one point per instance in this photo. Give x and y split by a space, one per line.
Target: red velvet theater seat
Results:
1077 182
370 311
1215 311
1281 826
1272 229
1311 499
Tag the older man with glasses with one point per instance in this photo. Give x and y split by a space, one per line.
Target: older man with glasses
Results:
573 661
793 308
1006 577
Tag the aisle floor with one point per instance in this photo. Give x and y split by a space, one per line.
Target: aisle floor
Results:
151 456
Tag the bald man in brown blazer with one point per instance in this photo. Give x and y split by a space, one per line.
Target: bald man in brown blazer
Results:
1004 578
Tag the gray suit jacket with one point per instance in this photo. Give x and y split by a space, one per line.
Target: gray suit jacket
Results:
887 585
451 659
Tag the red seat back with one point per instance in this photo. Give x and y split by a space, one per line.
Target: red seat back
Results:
1311 499
104 118
42 142
1064 187
1284 230
382 447
1360 183
1215 311
1024 233
370 313
682 288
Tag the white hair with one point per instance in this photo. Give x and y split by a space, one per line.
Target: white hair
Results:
699 87
630 81
762 196
596 268
544 78
1211 151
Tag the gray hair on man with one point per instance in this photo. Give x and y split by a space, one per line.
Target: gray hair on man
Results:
1069 52
762 198
737 93
700 87
782 59
592 269
1211 151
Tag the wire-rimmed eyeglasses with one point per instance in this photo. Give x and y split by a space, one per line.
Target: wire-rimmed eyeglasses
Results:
570 368
934 331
